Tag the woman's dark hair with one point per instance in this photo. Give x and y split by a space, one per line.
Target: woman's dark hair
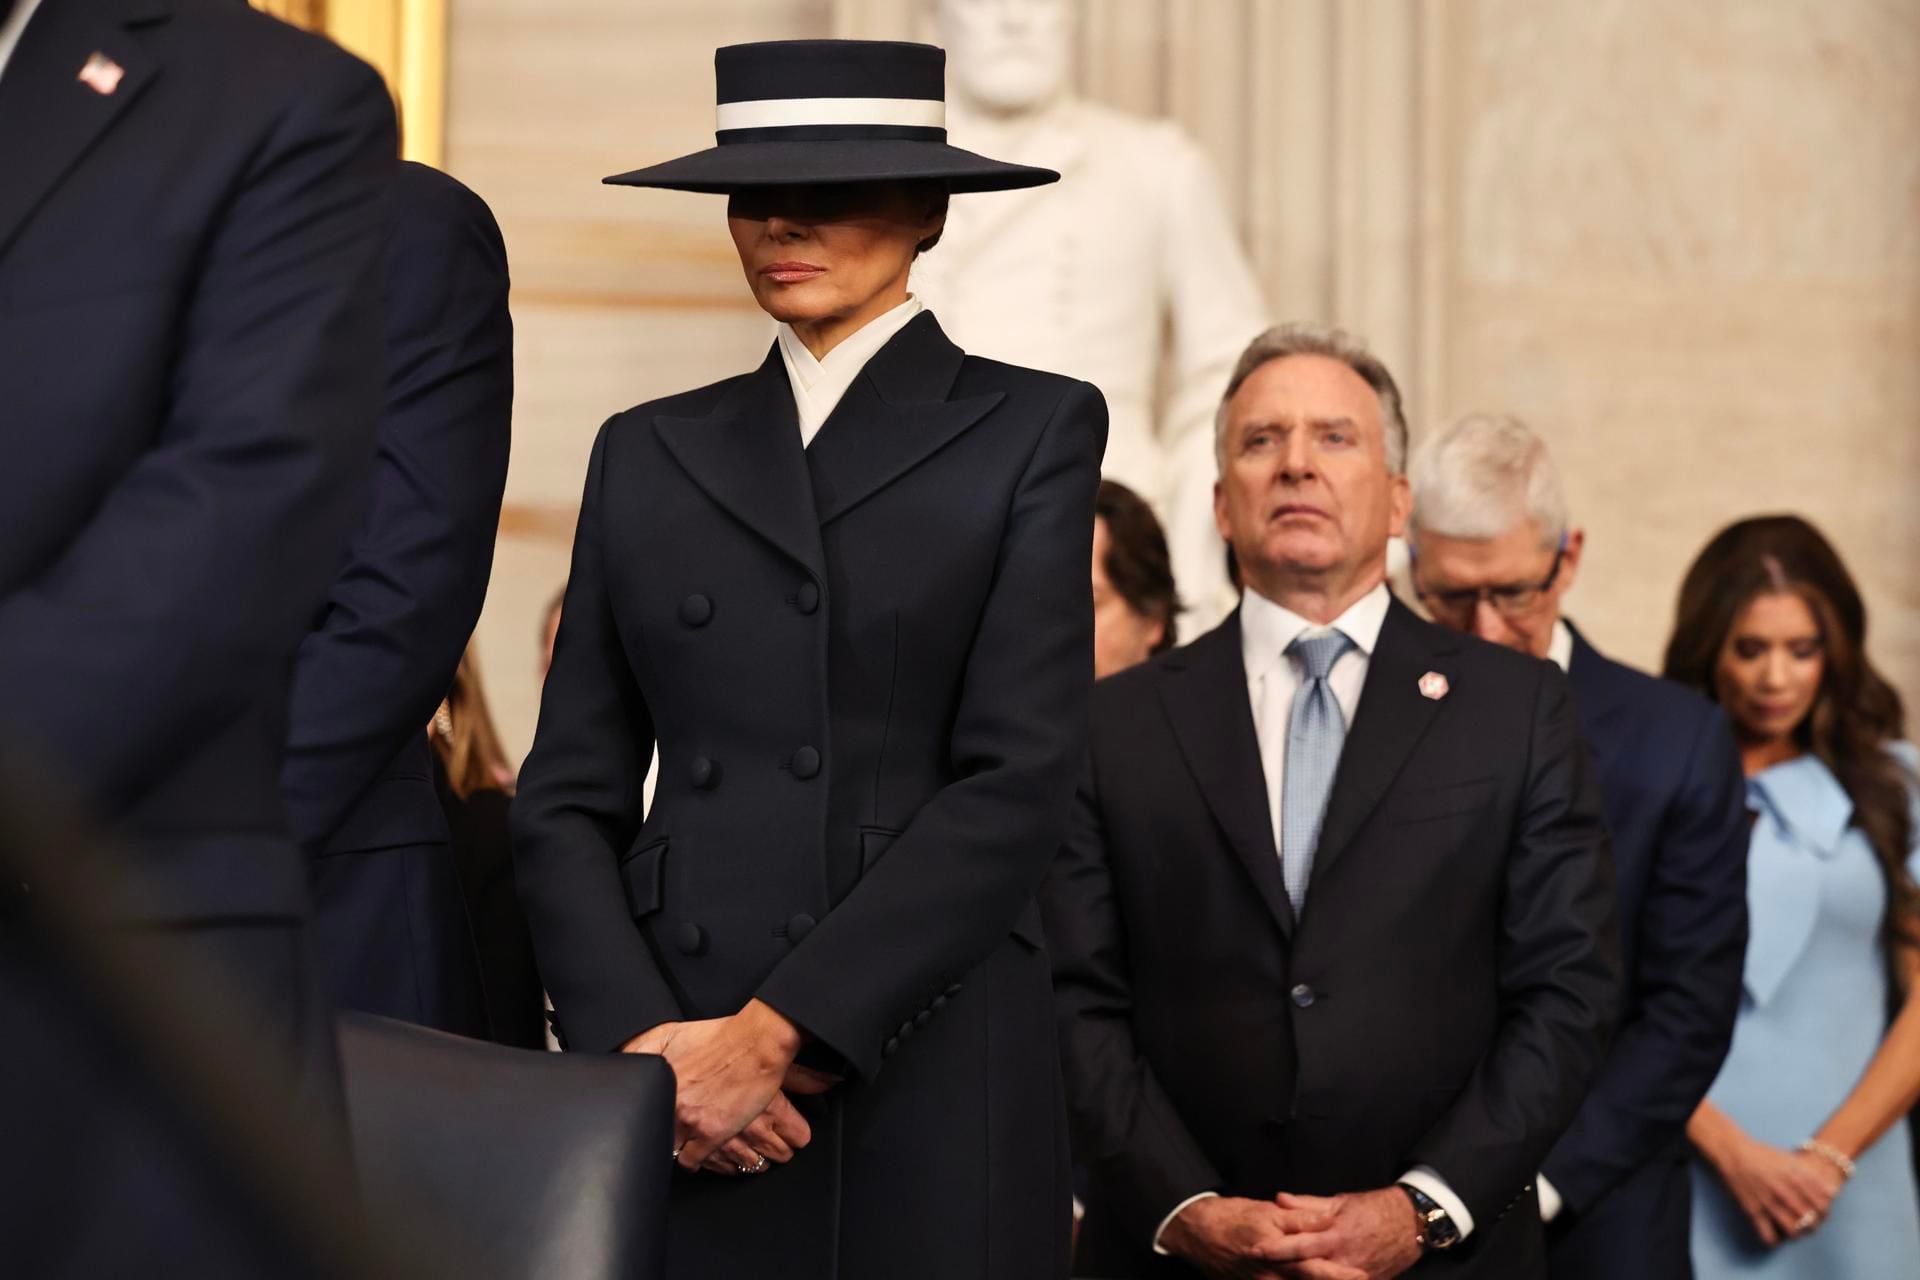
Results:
1137 562
1856 714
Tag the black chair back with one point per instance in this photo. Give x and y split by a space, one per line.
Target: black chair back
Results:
542 1164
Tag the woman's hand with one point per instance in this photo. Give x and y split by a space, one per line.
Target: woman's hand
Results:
728 1073
1785 1194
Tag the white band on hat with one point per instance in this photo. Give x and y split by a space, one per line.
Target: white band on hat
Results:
786 113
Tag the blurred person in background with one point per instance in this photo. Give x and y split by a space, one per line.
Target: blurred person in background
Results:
1495 554
1135 605
1804 1168
475 781
192 227
843 595
388 922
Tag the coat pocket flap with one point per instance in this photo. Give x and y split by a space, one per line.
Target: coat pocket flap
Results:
642 874
1441 802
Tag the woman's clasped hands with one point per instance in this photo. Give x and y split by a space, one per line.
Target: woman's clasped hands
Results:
735 1079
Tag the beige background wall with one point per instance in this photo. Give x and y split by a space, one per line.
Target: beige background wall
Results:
1682 240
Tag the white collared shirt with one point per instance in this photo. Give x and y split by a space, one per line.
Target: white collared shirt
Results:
1273 678
10 30
818 385
1560 648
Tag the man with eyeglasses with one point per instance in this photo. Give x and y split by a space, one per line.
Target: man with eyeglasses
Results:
1494 554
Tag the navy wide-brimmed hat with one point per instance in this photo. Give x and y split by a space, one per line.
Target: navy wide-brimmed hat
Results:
807 112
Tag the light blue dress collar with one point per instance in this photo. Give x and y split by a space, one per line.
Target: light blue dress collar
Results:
1806 799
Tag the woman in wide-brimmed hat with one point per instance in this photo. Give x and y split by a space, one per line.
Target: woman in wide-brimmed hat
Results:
845 595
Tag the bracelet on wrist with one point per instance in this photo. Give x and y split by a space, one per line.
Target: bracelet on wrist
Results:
1831 1154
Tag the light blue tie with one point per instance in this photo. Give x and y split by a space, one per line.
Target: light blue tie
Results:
1315 731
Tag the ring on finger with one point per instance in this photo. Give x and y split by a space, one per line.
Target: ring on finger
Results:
1806 1221
758 1166
677 1150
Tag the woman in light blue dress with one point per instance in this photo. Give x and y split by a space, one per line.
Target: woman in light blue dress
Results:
1804 1167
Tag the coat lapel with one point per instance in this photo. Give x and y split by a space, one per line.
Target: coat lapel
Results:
747 456
1593 696
1205 695
1392 717
48 117
894 416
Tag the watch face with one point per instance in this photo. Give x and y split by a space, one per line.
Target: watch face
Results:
1441 1233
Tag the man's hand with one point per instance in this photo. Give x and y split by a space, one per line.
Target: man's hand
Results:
728 1073
1236 1239
1370 1235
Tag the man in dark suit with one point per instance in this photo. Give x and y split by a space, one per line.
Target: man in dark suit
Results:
388 921
191 221
1333 925
1496 556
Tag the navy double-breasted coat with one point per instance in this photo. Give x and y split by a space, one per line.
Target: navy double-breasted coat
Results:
865 664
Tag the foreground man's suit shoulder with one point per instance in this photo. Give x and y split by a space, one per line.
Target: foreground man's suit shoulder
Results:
1442 1001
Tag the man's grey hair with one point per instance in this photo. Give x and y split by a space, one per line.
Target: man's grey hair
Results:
1484 476
1286 340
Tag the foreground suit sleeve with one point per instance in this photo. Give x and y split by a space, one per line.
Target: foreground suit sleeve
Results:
581 798
1692 937
1122 1119
952 885
205 562
397 620
1558 967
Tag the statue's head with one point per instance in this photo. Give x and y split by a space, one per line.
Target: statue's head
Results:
1006 55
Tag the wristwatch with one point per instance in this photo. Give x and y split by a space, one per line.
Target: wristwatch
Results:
1437 1231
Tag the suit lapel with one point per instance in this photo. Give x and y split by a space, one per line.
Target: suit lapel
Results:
48 117
894 416
1205 695
1392 717
1593 698
747 456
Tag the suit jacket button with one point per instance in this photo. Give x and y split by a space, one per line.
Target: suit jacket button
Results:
891 1047
922 1018
807 599
906 1031
799 927
690 939
704 773
806 763
1303 995
939 1002
696 610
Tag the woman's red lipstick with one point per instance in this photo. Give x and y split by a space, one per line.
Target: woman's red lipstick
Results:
791 272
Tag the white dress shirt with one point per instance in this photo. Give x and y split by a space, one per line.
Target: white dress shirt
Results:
818 385
1266 630
1560 654
10 30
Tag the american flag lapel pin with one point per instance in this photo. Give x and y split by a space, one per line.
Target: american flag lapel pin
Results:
1433 686
102 74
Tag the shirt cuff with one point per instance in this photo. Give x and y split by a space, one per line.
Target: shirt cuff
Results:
1550 1202
1168 1220
1423 1179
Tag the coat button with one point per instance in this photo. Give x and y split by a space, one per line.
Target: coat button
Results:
806 763
939 1002
1303 996
799 927
807 598
690 939
906 1031
704 773
696 610
922 1018
891 1047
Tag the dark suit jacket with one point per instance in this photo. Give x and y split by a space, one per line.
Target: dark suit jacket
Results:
1675 803
866 667
1443 1001
358 776
190 374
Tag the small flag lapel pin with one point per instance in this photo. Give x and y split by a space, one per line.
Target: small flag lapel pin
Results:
1433 686
102 74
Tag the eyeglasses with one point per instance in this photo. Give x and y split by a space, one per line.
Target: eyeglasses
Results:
1512 600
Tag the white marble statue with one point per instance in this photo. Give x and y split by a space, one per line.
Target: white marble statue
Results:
1128 273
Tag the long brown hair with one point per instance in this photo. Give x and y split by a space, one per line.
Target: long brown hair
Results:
1856 714
1137 564
464 736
